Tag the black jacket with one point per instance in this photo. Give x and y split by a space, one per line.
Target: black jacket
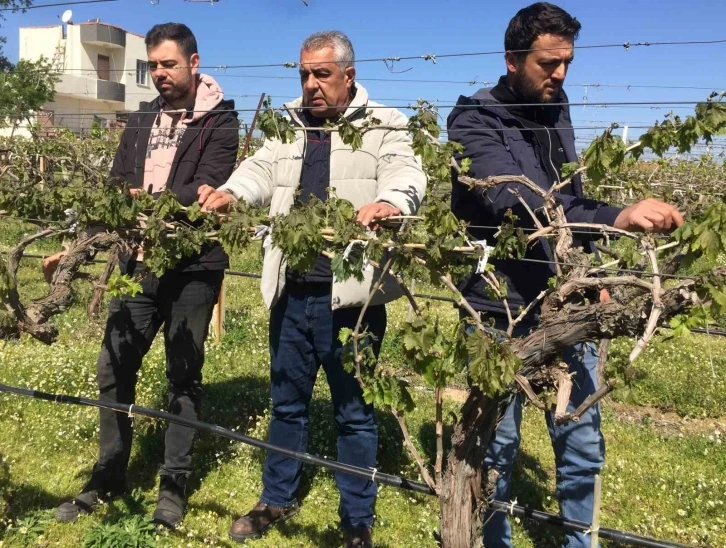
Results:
206 155
494 140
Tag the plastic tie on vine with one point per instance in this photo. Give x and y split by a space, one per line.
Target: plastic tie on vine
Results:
481 265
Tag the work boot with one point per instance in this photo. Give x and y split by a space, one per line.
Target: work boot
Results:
172 500
258 520
102 487
358 538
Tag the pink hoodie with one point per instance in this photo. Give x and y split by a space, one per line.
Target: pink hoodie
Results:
167 133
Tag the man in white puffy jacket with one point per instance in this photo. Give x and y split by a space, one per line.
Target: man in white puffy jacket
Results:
308 310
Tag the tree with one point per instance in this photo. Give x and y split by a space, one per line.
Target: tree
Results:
5 63
24 90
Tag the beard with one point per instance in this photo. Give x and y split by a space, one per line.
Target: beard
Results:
527 89
176 90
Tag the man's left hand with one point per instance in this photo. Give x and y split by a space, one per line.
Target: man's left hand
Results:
375 212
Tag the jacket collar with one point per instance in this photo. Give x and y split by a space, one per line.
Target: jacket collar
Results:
485 99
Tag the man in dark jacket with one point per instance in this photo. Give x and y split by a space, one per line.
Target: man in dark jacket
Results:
185 138
522 127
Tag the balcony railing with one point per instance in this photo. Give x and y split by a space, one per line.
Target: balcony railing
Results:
103 35
91 88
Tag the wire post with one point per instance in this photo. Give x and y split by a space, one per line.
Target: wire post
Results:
625 135
595 527
248 137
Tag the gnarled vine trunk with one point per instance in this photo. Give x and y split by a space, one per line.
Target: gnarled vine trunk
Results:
464 493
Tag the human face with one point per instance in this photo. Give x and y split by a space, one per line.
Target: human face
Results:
539 75
325 86
173 73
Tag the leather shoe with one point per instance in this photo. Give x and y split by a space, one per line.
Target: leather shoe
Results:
258 520
358 538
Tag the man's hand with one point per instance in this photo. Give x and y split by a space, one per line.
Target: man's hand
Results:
376 212
649 214
135 191
213 200
50 264
605 296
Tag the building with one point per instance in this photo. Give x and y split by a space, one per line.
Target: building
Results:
103 72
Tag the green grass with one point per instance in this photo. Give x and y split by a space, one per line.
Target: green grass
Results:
655 482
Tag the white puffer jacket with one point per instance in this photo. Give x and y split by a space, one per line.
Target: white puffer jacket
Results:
384 169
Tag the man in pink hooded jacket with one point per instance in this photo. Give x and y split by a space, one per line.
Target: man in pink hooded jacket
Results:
187 137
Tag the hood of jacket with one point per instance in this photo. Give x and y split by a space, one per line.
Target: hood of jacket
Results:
210 97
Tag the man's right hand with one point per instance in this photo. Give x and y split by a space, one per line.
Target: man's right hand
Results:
50 264
212 199
650 214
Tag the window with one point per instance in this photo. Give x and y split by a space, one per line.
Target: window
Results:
142 73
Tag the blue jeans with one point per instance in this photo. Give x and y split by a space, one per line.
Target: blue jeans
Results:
303 336
579 449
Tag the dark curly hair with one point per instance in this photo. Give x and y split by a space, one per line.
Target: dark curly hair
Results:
536 20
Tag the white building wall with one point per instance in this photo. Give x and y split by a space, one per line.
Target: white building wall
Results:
39 41
75 58
136 51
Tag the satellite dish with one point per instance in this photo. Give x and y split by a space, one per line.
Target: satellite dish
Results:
66 17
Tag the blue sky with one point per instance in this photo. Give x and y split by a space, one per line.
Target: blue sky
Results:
234 32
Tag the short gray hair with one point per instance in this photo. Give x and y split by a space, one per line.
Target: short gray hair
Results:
343 48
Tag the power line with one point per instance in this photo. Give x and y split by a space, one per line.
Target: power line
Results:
37 6
433 57
438 106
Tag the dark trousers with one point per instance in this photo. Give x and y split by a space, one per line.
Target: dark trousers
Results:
303 336
183 304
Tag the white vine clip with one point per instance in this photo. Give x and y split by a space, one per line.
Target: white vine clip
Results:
481 265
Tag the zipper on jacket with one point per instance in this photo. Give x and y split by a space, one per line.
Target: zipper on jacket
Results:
136 161
549 154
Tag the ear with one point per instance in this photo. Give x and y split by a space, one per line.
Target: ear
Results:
349 75
512 60
194 62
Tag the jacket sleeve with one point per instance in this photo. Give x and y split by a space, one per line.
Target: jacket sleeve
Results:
120 165
218 157
484 145
252 180
401 179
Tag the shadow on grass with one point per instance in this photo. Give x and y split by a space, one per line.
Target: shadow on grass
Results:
529 488
25 499
233 403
